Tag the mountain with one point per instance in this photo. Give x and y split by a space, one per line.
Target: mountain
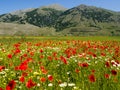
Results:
41 17
79 20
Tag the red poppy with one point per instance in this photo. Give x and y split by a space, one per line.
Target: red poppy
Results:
17 51
25 55
103 54
41 50
2 67
50 78
42 79
92 78
77 70
54 54
22 79
44 71
107 64
9 56
17 45
84 64
107 76
30 83
41 56
1 88
114 72
11 85
49 58
24 74
23 67
63 59
93 71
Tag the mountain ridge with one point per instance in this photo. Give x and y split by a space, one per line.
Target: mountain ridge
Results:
79 20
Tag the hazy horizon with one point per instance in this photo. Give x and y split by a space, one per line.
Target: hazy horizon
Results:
14 5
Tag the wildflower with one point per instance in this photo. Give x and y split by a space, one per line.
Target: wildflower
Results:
64 60
1 88
22 79
50 84
44 71
11 85
24 74
2 67
41 50
63 84
92 78
107 76
30 83
71 84
93 71
50 78
42 79
84 64
38 85
107 64
36 73
103 54
9 56
23 67
41 56
25 55
77 70
17 51
49 58
114 72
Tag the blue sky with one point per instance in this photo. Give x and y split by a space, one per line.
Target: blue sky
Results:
7 6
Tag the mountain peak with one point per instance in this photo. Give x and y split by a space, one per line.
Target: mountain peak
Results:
21 12
55 6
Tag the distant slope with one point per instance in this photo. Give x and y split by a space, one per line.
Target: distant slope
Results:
26 29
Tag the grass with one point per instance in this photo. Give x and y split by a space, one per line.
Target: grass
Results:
91 38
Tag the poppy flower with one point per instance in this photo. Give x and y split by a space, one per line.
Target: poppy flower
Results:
107 76
44 71
84 64
2 67
30 83
22 79
42 79
77 70
11 85
64 60
114 72
92 78
49 58
17 51
1 88
9 56
93 71
41 50
107 64
50 78
24 74
23 67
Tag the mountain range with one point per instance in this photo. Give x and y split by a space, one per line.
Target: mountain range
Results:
81 20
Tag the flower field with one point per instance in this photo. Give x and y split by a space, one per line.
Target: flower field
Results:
59 65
